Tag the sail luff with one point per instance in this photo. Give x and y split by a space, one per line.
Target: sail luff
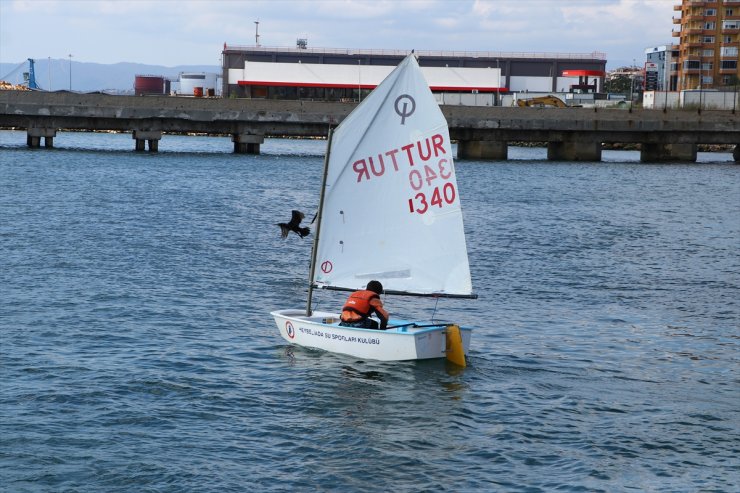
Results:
317 233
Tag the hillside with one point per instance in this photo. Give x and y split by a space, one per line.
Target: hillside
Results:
89 77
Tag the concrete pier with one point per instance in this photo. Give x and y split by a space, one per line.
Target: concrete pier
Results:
143 137
247 143
660 153
482 133
573 150
487 150
34 135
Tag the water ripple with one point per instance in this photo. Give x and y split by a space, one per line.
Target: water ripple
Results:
136 351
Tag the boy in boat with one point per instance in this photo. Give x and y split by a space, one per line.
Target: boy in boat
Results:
363 303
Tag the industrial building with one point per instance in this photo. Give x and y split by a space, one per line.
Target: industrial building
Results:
197 84
707 53
349 75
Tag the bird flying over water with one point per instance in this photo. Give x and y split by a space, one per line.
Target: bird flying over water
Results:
294 226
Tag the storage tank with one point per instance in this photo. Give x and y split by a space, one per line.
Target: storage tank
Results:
149 84
197 82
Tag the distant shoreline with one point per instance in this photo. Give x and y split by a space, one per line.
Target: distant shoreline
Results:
616 146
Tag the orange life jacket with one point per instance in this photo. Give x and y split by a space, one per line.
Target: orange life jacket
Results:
359 302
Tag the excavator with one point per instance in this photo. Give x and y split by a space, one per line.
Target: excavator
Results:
541 102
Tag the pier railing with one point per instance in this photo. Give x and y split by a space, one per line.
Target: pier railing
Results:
594 55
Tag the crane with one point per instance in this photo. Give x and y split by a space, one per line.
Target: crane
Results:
30 77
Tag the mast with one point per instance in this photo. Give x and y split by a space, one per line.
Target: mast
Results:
314 251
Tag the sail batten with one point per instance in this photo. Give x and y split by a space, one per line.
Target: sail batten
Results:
391 209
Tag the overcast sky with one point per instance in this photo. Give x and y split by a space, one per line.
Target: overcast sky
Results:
192 32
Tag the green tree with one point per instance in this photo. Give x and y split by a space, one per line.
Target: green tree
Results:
733 82
620 84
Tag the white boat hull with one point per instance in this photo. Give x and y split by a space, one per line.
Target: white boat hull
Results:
407 341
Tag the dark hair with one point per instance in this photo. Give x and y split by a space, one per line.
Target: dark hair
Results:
375 287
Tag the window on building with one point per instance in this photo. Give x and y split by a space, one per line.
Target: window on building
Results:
710 12
707 53
707 79
728 51
708 39
710 26
730 24
728 64
283 93
707 66
691 65
727 39
728 12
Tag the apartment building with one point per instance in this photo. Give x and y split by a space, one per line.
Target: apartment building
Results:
707 54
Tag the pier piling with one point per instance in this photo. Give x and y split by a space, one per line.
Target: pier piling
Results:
142 137
660 152
34 135
247 143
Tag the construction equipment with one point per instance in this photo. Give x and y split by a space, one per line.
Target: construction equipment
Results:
7 86
541 102
29 79
30 76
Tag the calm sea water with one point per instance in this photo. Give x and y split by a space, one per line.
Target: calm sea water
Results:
138 354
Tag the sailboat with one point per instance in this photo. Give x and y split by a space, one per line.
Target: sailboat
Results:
389 210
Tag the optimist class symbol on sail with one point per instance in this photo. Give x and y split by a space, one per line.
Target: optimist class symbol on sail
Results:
403 111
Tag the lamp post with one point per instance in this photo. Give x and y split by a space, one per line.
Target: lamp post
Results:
701 86
632 83
70 72
666 79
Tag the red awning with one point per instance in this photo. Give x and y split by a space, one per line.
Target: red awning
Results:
583 73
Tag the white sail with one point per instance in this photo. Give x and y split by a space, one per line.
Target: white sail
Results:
391 207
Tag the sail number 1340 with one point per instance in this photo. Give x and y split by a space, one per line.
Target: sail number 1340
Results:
438 196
